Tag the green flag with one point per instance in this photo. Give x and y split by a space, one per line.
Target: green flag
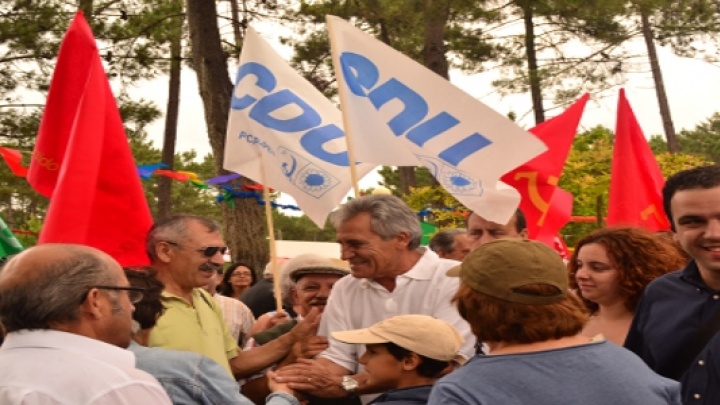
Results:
9 245
427 232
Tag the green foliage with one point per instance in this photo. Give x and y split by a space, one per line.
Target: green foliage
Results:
289 227
391 178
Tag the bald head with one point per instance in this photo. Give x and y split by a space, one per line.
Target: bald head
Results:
44 285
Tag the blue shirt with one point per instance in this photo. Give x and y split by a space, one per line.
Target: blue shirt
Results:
670 313
193 379
590 374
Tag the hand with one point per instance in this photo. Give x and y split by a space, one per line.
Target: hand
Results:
310 347
275 386
308 326
311 377
278 319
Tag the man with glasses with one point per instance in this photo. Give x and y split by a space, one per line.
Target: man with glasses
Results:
187 251
67 310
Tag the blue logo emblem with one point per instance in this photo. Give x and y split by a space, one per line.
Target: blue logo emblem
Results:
306 176
454 180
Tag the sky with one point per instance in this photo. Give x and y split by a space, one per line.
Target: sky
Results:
690 86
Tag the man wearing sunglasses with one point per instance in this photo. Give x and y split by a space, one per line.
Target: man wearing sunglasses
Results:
67 310
187 251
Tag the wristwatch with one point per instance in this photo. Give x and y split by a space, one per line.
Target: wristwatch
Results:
350 385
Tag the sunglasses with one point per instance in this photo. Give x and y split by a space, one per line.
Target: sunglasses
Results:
135 294
208 251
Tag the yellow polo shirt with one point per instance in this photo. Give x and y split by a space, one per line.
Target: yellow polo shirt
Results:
198 327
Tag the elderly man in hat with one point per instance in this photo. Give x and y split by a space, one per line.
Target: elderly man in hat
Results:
306 282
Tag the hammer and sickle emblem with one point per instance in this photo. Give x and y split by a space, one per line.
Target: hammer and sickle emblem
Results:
651 210
534 194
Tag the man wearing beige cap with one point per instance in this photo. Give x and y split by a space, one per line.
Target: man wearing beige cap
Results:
514 293
407 353
305 283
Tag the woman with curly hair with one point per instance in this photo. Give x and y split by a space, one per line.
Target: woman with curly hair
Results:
237 279
610 268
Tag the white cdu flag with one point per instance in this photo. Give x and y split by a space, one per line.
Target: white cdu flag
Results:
277 118
399 113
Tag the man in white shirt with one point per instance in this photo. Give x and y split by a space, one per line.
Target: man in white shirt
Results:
67 310
391 275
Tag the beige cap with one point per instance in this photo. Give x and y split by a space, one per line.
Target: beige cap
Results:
310 263
500 267
421 334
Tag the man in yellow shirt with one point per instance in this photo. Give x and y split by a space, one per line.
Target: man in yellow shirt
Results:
186 251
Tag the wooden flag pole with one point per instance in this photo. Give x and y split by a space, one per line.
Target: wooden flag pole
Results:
271 238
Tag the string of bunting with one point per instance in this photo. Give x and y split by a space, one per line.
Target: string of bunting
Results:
226 193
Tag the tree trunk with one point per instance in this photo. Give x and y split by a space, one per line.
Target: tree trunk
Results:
436 16
668 126
237 34
86 6
533 71
171 118
244 225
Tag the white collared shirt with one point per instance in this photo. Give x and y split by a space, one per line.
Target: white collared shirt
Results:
52 367
358 303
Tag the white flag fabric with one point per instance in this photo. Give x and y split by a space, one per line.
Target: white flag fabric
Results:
399 113
277 118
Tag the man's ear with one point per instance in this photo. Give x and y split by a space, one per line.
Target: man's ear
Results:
93 304
411 362
164 252
524 233
403 239
294 296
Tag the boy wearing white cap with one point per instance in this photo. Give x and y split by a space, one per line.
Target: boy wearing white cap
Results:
406 354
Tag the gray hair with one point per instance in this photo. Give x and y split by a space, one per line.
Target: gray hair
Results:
174 229
444 241
53 296
389 217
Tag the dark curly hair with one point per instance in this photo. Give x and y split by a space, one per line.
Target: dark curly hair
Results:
638 255
149 309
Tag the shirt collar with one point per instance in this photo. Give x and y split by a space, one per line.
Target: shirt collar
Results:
691 275
82 345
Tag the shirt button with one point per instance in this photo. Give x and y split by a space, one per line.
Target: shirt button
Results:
716 297
701 362
696 396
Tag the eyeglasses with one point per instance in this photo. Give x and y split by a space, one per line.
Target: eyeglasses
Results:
135 294
208 251
238 274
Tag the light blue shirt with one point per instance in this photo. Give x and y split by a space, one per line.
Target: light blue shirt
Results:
193 379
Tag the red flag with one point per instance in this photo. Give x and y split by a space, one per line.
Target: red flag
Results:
546 206
636 181
82 159
13 158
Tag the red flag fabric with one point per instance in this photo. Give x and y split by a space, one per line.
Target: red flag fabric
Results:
546 206
636 181
13 158
82 159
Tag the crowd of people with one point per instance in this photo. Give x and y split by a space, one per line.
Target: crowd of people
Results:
483 315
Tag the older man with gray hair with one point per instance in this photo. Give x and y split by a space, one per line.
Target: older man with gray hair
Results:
451 244
67 310
391 275
187 250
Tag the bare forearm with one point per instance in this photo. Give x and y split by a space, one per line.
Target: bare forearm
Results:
247 363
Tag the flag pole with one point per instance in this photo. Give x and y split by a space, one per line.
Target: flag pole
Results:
271 238
343 95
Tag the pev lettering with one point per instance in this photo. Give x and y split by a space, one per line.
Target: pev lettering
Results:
362 76
44 161
306 119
